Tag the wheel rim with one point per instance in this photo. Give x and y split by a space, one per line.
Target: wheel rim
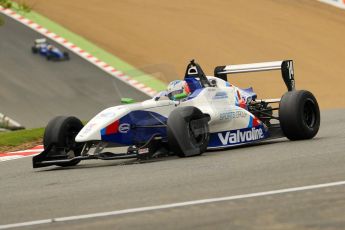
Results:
70 139
198 132
309 114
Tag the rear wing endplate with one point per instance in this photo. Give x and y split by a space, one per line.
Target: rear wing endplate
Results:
285 66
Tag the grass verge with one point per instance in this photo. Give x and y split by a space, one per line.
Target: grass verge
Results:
18 140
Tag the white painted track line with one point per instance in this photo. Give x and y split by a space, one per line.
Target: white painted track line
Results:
172 205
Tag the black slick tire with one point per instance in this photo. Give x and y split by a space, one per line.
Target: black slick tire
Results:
34 50
299 115
187 131
61 132
66 56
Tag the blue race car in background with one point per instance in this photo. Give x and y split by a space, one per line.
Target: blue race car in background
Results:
51 52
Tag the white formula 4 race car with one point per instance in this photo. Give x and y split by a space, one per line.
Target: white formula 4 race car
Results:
214 115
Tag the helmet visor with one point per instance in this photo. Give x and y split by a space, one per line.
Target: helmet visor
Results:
171 95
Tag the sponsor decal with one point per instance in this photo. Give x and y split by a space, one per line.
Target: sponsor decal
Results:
220 95
107 114
232 115
143 151
124 128
88 128
236 137
291 73
240 136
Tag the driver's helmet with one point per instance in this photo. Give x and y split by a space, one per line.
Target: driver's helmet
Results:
50 47
177 87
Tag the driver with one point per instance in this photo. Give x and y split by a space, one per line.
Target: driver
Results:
178 90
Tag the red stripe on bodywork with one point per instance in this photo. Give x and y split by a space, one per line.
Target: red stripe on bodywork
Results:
112 128
256 122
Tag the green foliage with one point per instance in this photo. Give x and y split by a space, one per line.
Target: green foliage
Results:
15 138
6 3
22 7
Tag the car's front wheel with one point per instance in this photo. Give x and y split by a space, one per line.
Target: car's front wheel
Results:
66 55
61 132
188 131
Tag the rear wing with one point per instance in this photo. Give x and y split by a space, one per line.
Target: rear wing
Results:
40 40
285 66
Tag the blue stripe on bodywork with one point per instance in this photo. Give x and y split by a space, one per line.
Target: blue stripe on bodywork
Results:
237 103
193 84
138 131
250 124
248 92
103 131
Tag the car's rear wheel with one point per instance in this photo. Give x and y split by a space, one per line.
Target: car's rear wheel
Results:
61 132
34 50
299 115
188 131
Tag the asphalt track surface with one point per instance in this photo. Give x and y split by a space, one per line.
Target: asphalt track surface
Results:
101 186
33 90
